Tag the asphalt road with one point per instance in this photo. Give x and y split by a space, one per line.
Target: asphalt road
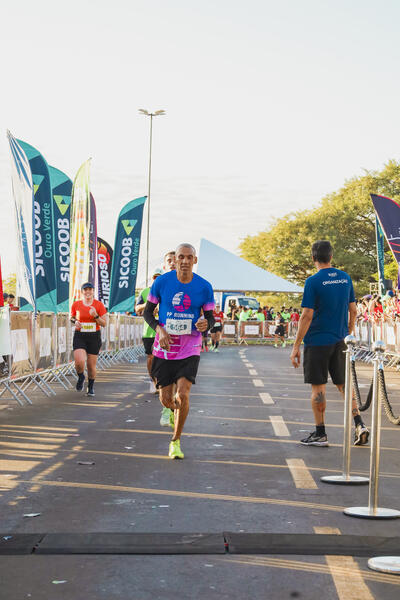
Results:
244 471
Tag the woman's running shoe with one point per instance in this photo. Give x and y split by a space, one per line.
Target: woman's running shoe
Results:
80 382
175 450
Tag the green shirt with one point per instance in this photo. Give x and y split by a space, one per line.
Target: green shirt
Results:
285 316
148 332
245 315
260 316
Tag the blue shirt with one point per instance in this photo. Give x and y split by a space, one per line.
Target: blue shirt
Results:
180 307
329 293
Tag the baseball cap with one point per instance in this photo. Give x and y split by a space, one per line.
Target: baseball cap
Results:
87 285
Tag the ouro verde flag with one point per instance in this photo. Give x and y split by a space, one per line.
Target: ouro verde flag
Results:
43 241
79 233
126 257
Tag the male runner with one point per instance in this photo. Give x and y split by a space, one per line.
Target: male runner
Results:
328 300
181 295
148 333
216 331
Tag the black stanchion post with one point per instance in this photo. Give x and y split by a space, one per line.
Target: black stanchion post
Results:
372 511
346 478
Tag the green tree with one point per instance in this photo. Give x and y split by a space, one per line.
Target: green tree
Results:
345 217
10 284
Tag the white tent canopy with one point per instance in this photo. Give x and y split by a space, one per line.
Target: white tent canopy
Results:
230 273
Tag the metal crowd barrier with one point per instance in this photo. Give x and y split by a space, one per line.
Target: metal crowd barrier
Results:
367 333
36 352
258 331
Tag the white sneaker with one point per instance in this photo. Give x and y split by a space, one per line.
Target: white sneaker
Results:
165 417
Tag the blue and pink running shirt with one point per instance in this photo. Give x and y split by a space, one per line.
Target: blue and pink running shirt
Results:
180 307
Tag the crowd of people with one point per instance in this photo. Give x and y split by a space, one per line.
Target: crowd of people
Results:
378 308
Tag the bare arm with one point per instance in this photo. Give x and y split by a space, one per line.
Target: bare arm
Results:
352 316
304 324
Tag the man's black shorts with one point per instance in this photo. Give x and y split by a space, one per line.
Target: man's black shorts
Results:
216 329
91 342
318 361
165 372
148 345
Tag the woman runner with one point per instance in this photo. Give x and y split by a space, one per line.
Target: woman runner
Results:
88 316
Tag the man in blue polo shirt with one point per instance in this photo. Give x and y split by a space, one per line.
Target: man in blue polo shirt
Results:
329 313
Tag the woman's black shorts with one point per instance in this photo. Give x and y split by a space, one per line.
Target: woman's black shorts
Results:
91 342
166 372
216 329
280 330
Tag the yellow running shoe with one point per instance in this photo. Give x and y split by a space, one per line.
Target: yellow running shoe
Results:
175 450
172 419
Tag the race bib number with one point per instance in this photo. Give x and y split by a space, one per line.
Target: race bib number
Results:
179 326
88 327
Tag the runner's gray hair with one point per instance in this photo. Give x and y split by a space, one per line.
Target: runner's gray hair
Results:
186 246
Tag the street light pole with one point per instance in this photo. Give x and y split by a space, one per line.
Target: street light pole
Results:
151 115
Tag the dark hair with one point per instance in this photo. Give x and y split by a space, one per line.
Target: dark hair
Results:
322 251
11 296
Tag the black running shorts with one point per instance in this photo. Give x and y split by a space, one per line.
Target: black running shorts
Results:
148 345
318 361
280 330
165 372
91 342
216 328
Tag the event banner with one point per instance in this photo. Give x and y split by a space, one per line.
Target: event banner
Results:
22 187
93 245
104 261
79 233
45 275
388 213
61 186
380 251
126 257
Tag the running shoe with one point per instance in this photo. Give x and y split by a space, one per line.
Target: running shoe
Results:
79 383
216 350
275 345
165 417
315 440
90 391
361 435
175 450
172 419
283 344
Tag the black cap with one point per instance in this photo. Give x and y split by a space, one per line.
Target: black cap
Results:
87 285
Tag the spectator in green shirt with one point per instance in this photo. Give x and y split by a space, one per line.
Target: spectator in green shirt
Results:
260 315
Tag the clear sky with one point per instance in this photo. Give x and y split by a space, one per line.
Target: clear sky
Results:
270 105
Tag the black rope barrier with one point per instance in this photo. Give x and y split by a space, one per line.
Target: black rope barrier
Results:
384 395
361 407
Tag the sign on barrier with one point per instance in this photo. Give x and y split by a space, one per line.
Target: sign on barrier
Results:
62 353
45 341
22 348
230 330
251 329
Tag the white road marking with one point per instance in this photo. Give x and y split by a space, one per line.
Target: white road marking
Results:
266 398
258 383
279 426
253 372
301 475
